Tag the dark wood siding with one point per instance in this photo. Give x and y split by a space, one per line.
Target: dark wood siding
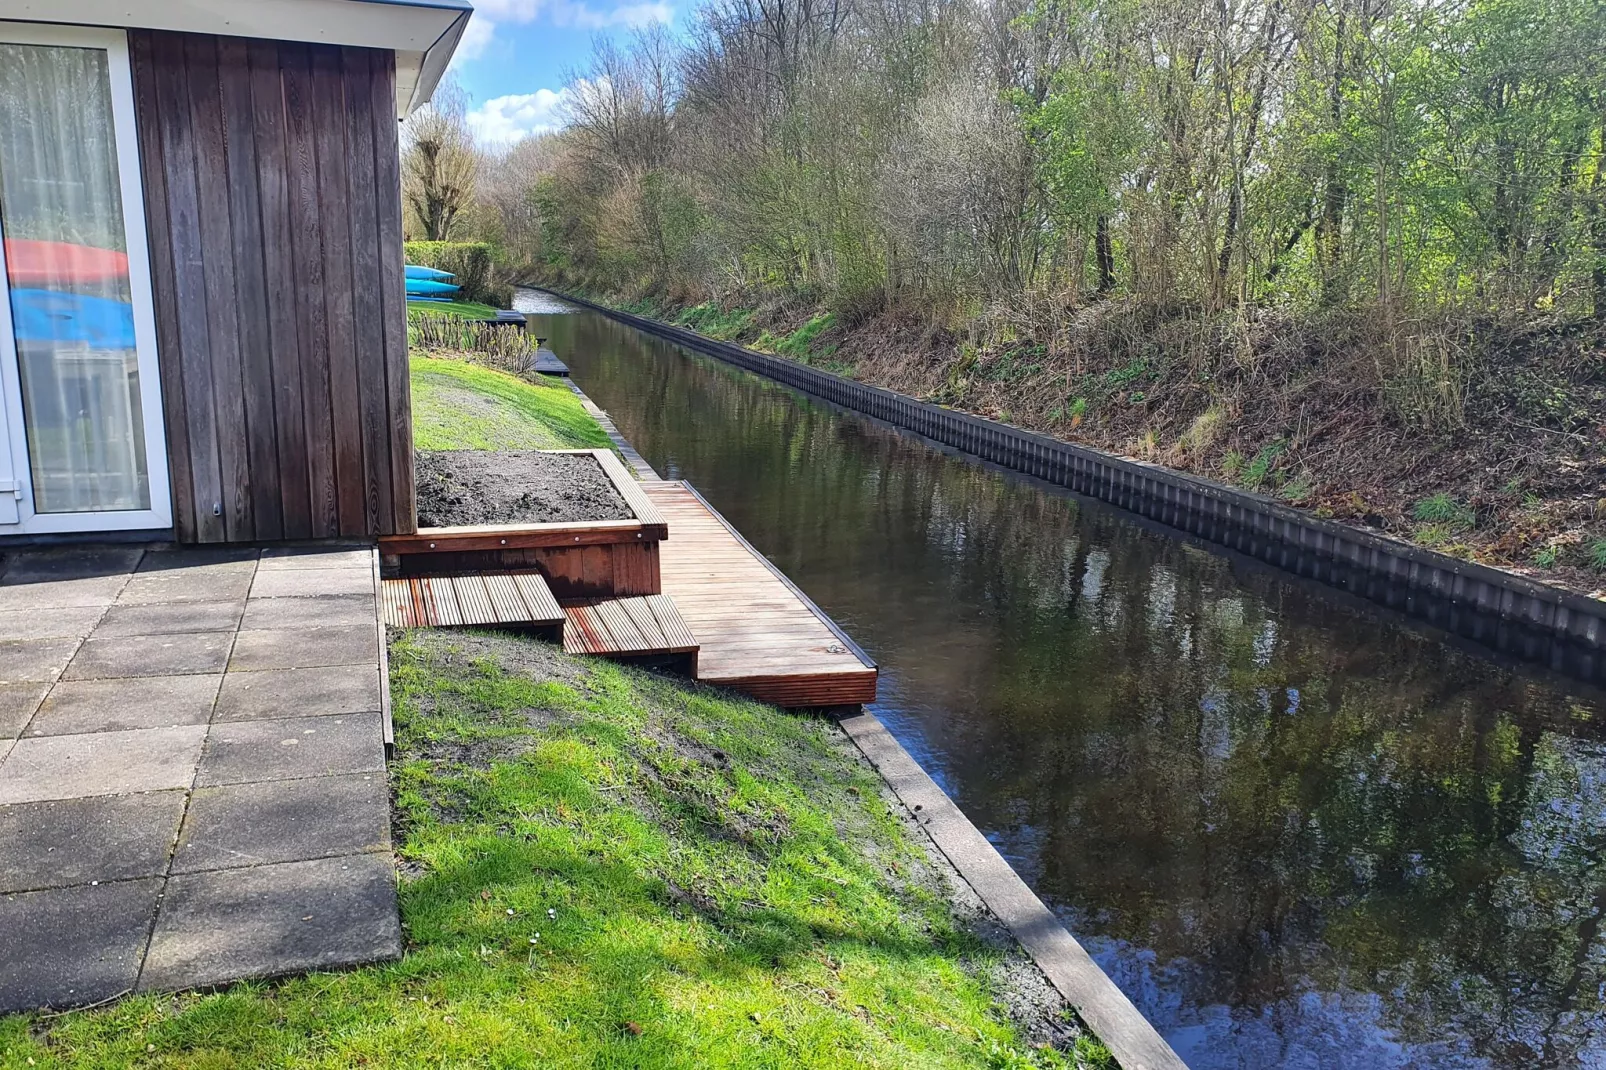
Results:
273 199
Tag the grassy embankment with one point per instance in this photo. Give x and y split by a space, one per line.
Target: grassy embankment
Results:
462 406
468 310
1506 470
604 868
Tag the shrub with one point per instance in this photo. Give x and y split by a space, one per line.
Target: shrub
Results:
469 261
1596 553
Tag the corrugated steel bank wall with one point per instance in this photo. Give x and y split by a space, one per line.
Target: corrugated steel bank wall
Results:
1510 614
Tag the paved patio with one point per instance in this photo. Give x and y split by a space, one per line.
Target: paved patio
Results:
192 770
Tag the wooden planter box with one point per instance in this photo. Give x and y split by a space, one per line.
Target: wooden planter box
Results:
589 559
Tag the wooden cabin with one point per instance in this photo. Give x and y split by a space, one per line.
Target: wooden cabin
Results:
202 324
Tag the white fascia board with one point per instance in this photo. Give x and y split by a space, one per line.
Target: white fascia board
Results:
422 33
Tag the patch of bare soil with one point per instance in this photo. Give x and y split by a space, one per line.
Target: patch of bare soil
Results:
514 487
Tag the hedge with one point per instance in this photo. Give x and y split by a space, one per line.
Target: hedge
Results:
469 261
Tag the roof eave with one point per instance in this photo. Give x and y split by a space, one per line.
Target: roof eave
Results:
421 33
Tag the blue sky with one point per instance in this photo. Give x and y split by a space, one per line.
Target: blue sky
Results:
515 57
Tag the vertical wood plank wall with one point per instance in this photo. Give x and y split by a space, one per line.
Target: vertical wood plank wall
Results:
273 201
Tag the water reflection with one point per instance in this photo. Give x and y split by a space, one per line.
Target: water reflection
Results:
1298 832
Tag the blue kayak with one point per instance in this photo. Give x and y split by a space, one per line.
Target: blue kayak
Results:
414 271
422 287
52 316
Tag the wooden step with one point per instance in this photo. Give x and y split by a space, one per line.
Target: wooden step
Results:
627 627
504 598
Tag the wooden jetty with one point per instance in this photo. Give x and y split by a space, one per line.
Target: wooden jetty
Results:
757 632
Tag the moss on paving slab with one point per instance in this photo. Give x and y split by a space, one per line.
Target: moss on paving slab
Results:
462 406
606 869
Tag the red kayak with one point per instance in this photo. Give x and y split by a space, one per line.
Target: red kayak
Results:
58 263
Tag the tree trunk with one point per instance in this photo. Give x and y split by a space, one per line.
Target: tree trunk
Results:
1597 222
1104 251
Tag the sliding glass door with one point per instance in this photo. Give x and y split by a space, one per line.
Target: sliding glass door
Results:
77 340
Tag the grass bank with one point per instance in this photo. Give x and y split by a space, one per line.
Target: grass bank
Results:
1491 448
458 405
604 868
467 310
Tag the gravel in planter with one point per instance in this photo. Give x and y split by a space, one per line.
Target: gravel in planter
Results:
458 487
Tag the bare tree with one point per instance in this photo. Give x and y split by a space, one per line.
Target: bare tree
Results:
440 165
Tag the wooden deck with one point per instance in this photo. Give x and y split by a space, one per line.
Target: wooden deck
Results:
756 631
517 599
627 627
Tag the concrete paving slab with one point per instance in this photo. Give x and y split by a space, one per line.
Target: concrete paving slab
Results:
67 622
166 618
333 611
70 563
285 864
242 752
189 559
100 763
312 582
275 693
151 655
305 648
57 594
226 583
311 557
17 705
77 706
284 821
76 841
269 920
68 947
35 660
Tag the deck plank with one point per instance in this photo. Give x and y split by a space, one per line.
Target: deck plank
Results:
458 601
645 624
756 632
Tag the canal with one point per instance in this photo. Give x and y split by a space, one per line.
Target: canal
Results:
1297 830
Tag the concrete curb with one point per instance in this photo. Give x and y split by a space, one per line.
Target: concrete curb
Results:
1135 1043
1512 614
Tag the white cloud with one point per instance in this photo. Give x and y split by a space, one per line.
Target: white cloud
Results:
476 39
571 13
504 120
639 15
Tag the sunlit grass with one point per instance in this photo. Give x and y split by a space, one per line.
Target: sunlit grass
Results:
463 406
458 309
606 870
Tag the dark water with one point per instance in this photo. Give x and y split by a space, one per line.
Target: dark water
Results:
1298 832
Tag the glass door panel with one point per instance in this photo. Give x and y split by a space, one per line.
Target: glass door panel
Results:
67 273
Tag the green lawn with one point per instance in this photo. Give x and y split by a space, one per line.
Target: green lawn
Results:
603 868
459 309
463 406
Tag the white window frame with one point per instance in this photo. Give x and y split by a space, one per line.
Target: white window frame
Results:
125 128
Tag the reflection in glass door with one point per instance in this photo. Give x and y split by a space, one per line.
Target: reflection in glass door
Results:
79 377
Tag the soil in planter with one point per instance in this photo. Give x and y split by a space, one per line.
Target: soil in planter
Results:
513 487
